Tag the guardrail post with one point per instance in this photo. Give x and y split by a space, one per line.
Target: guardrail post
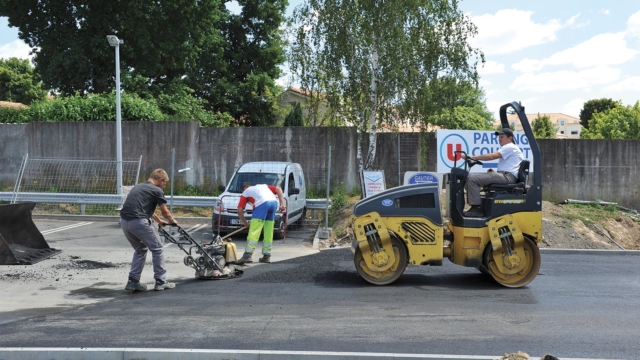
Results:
16 188
173 174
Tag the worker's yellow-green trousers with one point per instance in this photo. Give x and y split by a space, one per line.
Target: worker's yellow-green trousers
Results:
255 228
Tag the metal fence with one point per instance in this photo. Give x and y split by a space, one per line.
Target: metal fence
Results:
197 170
83 181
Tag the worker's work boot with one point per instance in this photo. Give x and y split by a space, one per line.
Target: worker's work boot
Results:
161 285
133 285
245 259
265 259
475 211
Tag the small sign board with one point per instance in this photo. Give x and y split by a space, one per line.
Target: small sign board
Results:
422 177
373 182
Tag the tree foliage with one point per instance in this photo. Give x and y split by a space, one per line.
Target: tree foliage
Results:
102 107
240 78
619 122
595 106
173 51
384 61
295 117
18 82
543 128
162 39
469 111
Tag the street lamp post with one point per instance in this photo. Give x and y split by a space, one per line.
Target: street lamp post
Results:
115 42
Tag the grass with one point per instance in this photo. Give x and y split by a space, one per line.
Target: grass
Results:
589 213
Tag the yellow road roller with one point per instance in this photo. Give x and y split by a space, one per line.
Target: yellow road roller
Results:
405 225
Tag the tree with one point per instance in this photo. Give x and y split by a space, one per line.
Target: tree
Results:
162 39
619 122
240 79
595 106
469 112
384 61
294 118
195 47
543 128
18 82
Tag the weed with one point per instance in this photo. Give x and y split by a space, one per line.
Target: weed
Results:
193 191
338 201
316 193
589 214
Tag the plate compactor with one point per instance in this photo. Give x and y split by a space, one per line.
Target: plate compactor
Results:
404 225
212 259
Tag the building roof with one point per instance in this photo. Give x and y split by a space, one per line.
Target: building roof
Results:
304 92
553 117
12 105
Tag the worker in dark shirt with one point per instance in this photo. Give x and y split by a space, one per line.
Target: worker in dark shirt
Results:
135 221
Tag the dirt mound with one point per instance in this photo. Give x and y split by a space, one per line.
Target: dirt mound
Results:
563 227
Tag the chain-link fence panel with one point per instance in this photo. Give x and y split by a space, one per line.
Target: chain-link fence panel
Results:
77 186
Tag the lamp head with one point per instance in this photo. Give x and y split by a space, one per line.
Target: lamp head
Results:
114 41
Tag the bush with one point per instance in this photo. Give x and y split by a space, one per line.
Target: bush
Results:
95 107
14 116
338 201
102 107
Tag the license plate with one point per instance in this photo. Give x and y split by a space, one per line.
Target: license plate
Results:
235 222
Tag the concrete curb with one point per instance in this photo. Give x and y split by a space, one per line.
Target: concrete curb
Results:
201 354
588 251
318 236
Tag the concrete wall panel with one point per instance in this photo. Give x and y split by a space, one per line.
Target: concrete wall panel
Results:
572 169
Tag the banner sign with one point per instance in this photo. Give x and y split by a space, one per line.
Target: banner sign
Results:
474 142
373 182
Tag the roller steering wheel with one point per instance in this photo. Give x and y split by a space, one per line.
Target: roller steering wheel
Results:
472 162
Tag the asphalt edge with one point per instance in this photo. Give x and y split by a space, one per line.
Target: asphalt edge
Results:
316 238
214 354
588 252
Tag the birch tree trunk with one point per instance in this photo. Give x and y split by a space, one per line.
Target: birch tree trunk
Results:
373 97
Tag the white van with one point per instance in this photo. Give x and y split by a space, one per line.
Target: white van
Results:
288 176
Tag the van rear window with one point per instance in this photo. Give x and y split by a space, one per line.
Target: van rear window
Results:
255 179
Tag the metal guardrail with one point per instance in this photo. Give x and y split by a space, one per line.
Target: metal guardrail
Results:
115 199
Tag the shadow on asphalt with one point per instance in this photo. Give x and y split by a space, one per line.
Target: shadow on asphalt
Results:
335 269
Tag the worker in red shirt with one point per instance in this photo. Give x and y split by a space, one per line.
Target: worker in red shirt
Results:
263 199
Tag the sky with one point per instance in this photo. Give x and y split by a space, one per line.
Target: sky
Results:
552 56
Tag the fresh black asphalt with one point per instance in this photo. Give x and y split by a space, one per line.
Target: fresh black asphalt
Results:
579 306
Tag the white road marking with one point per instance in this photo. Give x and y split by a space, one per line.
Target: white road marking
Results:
62 228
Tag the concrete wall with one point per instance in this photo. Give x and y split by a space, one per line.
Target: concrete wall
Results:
13 146
577 169
591 169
